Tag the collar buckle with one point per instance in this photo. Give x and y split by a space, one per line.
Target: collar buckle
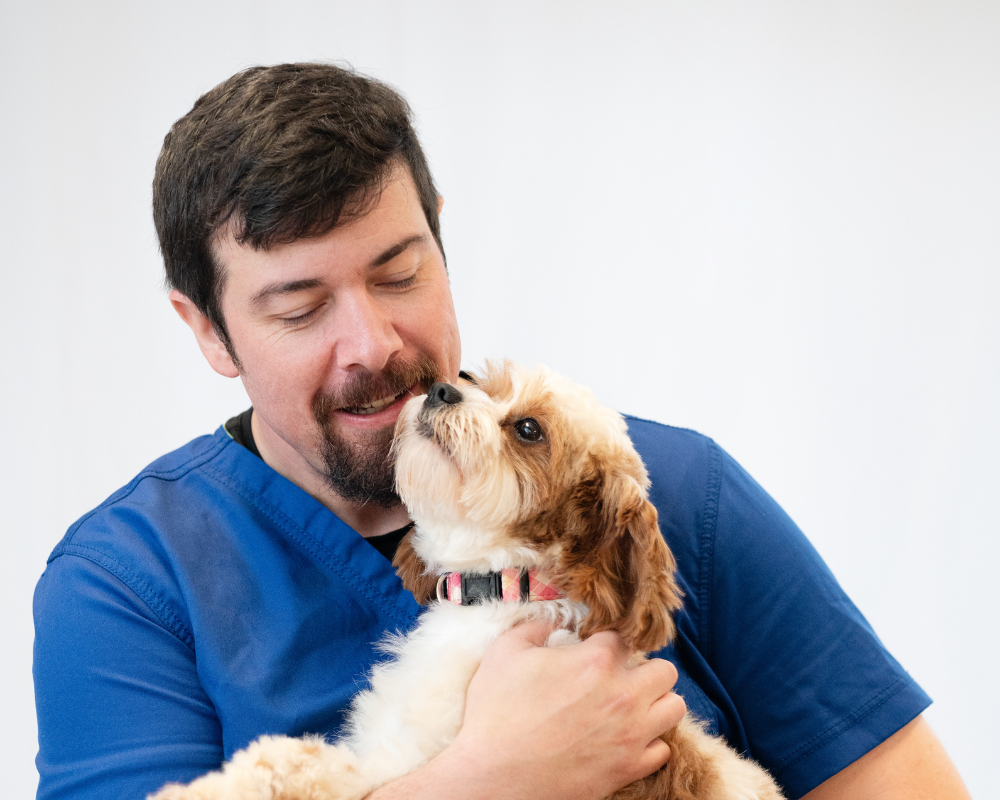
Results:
512 585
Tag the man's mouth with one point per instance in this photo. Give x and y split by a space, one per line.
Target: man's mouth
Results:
370 401
375 405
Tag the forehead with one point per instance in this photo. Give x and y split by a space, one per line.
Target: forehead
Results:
511 384
354 246
516 390
521 391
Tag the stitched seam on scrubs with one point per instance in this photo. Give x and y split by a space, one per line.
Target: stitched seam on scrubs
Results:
156 605
706 566
825 737
167 475
298 534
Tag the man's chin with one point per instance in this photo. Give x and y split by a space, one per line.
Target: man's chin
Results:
358 467
358 439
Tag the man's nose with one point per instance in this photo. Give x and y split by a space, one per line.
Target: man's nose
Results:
366 333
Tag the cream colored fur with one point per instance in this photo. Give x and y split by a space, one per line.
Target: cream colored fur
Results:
476 492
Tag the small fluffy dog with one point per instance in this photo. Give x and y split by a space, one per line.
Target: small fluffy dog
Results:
529 501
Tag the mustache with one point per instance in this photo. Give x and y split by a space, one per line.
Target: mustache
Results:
367 387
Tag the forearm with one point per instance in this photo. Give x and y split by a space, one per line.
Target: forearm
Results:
470 773
451 773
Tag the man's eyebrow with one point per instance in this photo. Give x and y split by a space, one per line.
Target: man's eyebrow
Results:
289 287
276 289
398 248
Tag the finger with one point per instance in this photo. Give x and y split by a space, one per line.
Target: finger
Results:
666 713
656 677
655 755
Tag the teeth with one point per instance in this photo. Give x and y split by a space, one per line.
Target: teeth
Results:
377 405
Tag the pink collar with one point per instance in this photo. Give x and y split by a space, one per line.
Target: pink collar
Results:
512 585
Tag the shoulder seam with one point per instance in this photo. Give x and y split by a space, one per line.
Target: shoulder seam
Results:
706 565
196 460
156 605
292 530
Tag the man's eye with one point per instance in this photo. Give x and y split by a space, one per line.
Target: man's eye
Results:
528 430
405 283
299 319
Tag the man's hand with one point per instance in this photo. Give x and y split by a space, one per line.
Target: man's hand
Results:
557 722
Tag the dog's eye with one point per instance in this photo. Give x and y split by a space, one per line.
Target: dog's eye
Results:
528 430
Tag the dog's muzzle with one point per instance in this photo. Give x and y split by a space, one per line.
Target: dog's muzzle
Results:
439 397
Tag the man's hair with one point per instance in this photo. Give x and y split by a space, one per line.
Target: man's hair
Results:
278 153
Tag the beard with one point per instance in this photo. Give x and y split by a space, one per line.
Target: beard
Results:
361 470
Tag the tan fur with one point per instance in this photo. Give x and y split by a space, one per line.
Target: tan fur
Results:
412 571
613 559
580 492
581 510
279 768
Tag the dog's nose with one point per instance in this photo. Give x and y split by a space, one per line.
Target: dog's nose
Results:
441 394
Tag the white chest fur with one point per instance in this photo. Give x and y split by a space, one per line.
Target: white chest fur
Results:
416 702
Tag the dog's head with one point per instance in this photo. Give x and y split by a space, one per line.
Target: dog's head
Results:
524 469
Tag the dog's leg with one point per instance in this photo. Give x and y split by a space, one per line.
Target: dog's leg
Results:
702 767
279 768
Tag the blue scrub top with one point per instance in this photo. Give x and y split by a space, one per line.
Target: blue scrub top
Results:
211 601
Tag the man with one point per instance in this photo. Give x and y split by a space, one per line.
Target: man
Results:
236 586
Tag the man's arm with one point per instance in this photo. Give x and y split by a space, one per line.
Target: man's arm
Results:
909 765
555 722
121 710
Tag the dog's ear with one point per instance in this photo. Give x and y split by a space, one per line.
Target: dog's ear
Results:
412 571
614 560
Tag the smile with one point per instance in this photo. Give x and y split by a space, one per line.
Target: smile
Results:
376 405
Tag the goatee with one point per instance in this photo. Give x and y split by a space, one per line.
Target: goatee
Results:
360 470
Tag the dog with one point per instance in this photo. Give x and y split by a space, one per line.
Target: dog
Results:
528 501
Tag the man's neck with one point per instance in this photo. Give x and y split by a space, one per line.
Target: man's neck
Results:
368 519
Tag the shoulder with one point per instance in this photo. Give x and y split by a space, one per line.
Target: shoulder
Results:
685 472
157 491
646 433
711 511
682 463
132 537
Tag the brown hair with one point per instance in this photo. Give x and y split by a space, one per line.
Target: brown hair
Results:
281 153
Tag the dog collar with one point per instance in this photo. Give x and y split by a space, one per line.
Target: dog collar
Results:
512 585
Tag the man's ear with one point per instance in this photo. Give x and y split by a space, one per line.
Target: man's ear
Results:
440 203
208 340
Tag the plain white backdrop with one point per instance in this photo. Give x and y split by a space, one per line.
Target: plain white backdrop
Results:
775 222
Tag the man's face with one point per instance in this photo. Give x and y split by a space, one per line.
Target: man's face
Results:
334 333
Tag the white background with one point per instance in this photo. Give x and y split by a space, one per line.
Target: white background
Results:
774 222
